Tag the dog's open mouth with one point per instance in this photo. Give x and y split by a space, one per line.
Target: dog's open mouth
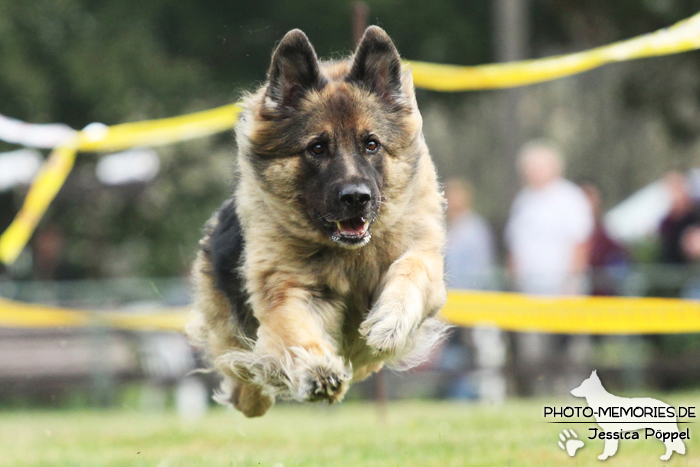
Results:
353 232
355 227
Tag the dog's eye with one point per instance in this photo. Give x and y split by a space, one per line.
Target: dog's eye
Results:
317 149
372 145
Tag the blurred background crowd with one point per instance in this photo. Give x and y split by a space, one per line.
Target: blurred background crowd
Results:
585 185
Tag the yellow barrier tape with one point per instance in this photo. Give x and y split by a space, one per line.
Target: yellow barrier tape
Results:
162 131
57 167
48 182
681 37
25 315
507 311
573 315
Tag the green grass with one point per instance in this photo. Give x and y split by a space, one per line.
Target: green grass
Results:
413 433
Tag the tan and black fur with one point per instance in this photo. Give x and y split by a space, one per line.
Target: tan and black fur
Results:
327 261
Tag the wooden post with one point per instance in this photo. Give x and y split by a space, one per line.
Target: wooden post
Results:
360 12
511 34
511 43
380 396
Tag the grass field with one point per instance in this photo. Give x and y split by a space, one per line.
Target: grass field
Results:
412 433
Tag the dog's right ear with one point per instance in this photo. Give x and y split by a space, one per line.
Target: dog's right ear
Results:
293 72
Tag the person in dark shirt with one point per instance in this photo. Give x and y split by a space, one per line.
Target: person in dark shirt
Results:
684 213
609 261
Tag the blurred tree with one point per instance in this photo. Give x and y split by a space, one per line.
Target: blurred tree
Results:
79 61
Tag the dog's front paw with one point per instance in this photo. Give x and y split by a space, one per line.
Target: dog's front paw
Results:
319 377
386 333
321 384
393 319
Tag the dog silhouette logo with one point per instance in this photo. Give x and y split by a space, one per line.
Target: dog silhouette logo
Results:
618 416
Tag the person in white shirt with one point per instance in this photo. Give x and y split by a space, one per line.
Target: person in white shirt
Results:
469 256
549 226
547 236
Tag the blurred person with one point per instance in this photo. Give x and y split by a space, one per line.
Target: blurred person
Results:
48 248
549 224
684 214
50 261
608 260
469 264
690 243
690 247
469 255
547 239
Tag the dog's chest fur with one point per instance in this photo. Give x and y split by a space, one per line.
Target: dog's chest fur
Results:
346 282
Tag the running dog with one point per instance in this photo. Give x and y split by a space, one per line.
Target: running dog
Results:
327 261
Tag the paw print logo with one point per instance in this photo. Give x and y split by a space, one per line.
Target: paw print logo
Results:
569 442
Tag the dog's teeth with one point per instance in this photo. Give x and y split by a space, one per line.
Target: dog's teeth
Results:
340 229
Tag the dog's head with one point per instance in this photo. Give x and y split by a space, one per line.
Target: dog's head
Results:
333 141
590 386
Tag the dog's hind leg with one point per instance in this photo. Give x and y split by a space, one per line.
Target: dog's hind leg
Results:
214 329
609 450
211 327
671 446
249 399
669 451
679 446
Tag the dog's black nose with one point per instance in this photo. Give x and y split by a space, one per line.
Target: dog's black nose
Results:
355 195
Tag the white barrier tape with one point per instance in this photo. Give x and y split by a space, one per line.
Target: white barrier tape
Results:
45 136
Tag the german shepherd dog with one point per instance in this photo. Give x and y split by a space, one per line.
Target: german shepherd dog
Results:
327 261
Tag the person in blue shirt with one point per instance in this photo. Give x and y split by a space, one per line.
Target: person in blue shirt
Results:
470 254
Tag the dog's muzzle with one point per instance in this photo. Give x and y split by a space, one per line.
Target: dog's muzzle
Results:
354 231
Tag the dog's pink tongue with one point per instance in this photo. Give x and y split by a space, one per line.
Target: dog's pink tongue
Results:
354 226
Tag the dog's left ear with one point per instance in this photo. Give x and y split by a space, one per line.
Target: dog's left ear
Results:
377 65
